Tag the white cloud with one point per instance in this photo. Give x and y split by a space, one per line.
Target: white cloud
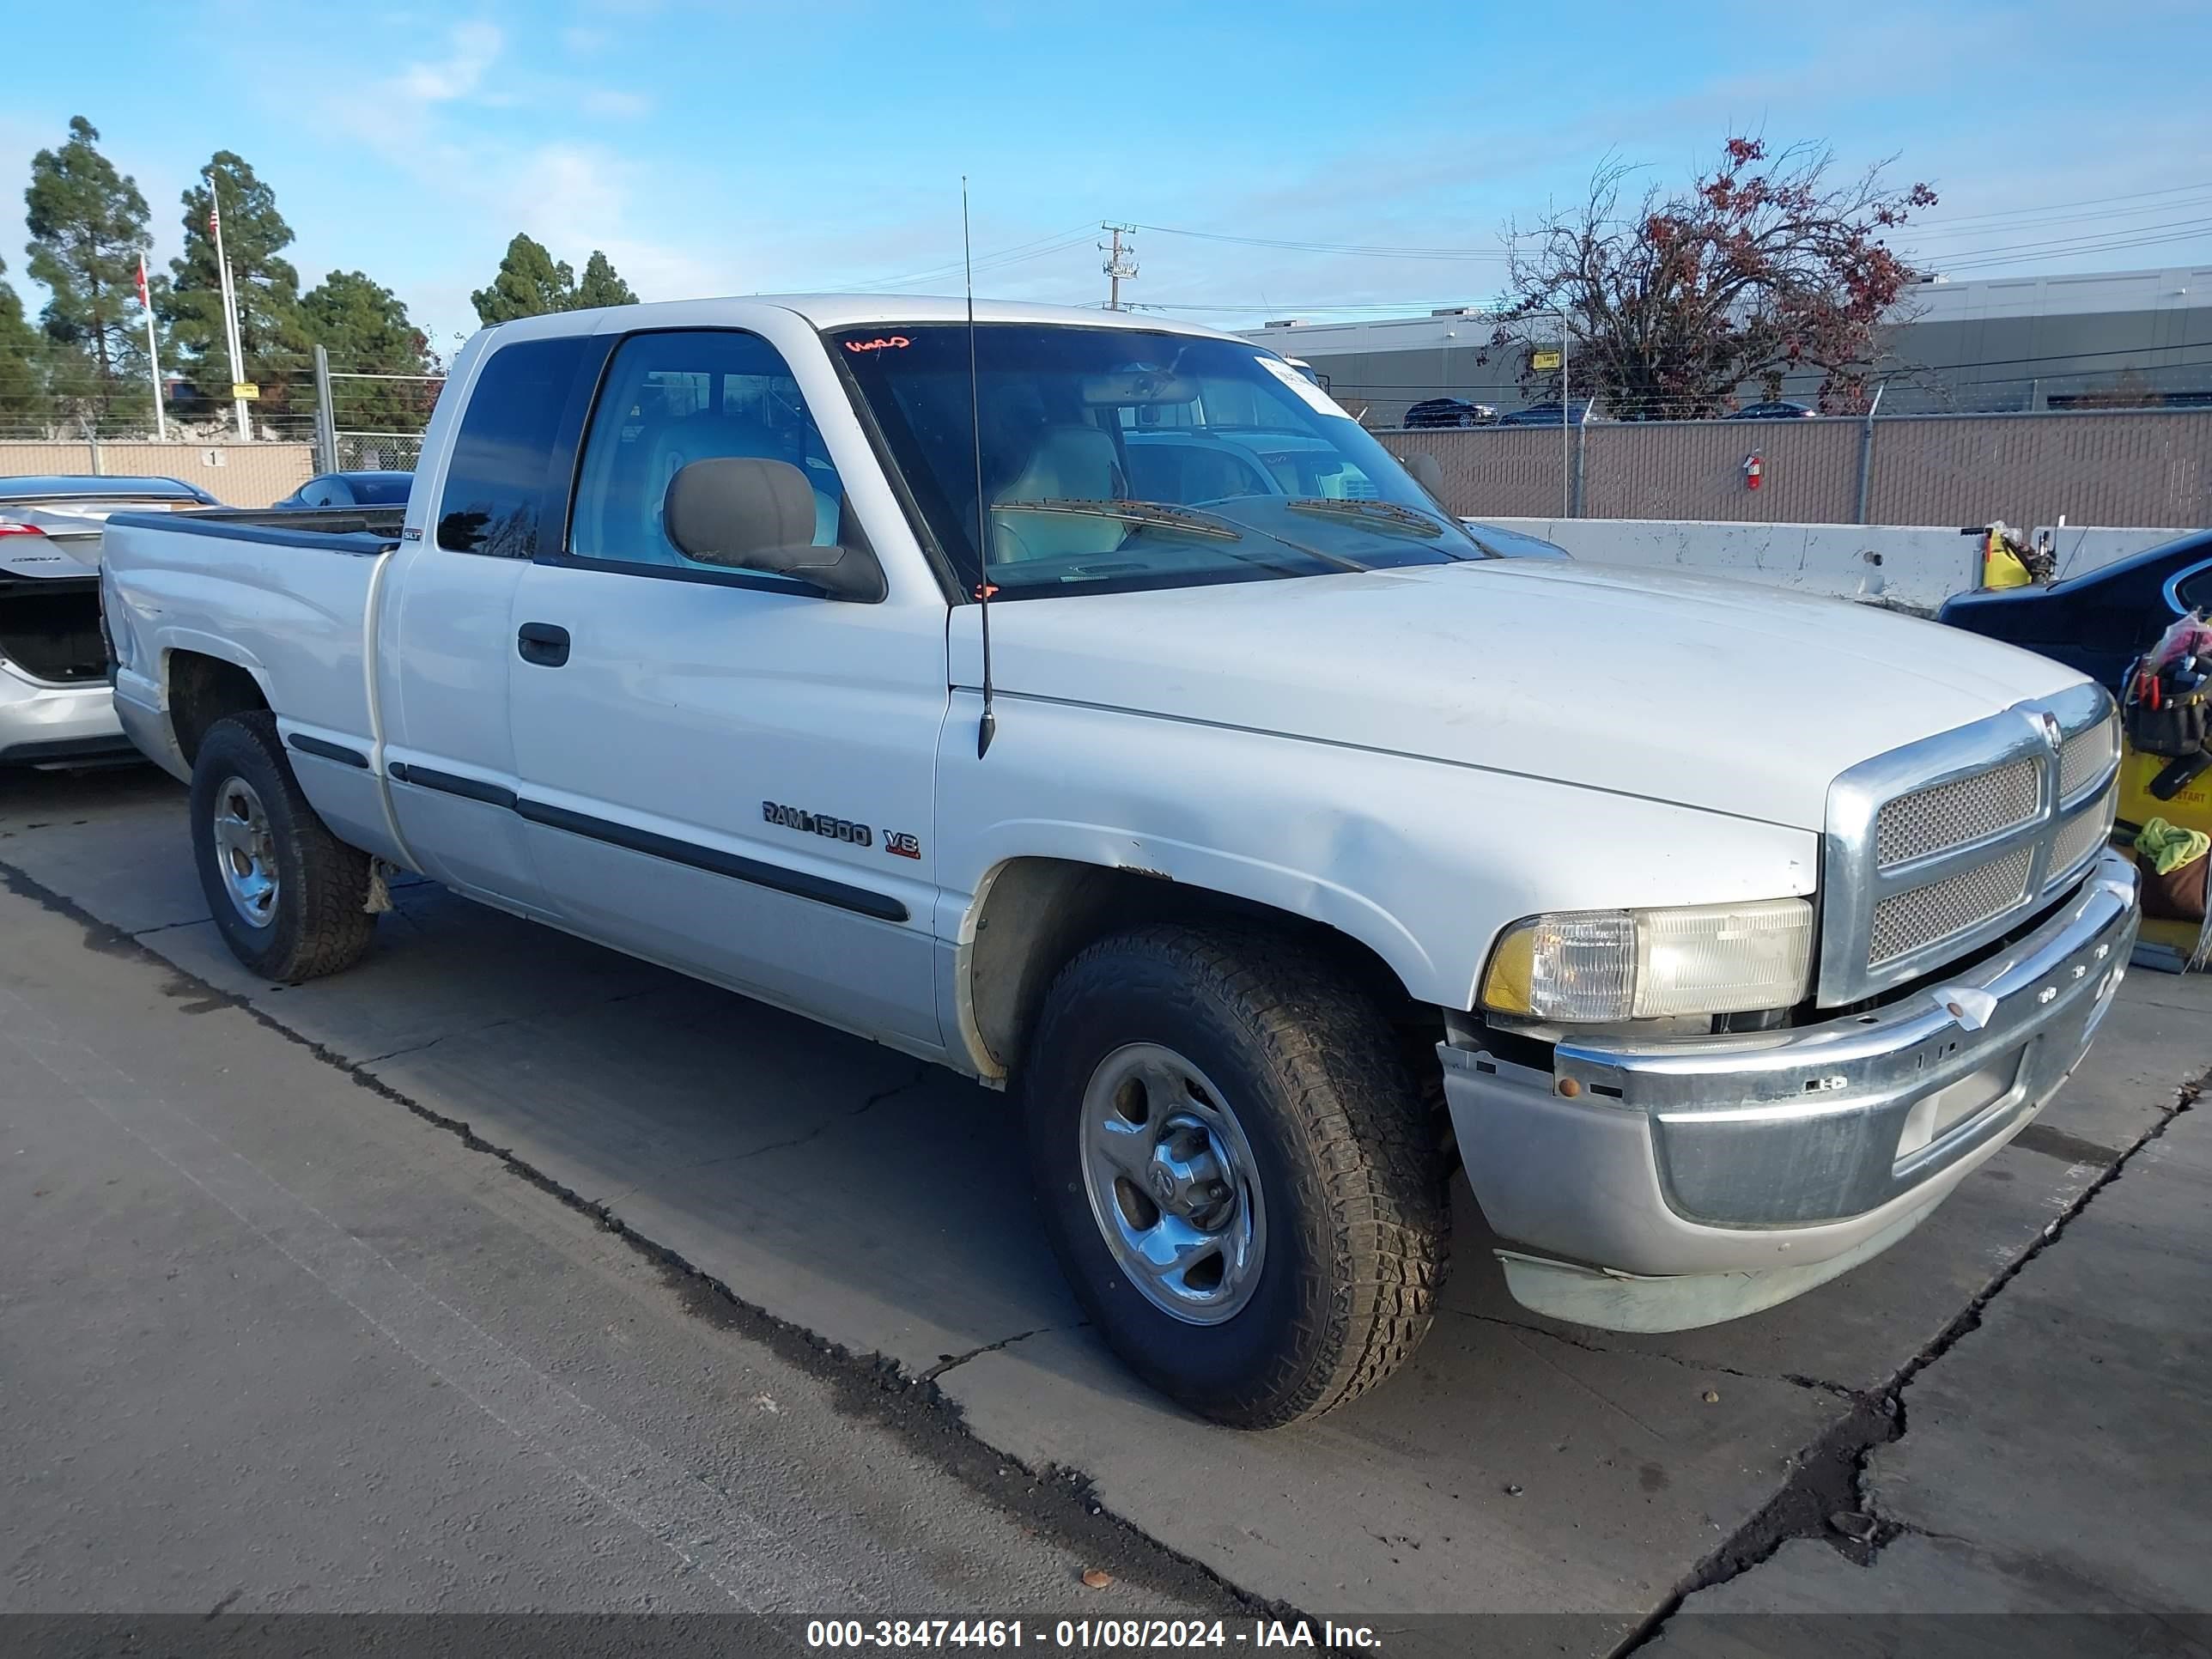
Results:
471 48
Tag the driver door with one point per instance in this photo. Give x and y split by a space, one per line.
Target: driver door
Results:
723 770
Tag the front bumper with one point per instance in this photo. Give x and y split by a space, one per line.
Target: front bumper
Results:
44 724
1683 1183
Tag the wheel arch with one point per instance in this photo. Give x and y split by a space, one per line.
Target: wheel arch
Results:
1032 913
201 689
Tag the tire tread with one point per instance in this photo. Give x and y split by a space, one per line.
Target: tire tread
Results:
332 927
1379 1179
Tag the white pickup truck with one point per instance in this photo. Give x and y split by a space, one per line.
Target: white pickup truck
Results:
1280 848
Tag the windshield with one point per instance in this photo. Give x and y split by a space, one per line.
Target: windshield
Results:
1116 459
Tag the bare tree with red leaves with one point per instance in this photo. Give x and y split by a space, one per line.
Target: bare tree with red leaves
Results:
1764 266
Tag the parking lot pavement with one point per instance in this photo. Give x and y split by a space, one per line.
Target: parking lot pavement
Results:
274 1343
2053 1462
1518 1465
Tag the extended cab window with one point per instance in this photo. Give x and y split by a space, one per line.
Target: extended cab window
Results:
673 398
496 483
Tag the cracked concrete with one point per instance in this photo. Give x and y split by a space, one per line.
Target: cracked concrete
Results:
952 1360
2053 1439
1590 1343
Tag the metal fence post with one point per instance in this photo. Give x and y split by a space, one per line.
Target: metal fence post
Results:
92 448
1866 454
326 428
1582 446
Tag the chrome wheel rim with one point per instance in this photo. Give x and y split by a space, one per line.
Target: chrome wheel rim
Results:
244 853
1172 1184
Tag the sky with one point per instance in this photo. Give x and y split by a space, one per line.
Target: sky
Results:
716 149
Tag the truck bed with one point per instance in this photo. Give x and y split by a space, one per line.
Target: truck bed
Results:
358 530
246 578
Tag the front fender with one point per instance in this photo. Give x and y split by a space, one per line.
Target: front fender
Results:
1423 862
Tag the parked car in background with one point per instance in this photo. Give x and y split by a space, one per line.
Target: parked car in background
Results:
1549 415
1449 411
1780 410
55 707
352 489
2099 622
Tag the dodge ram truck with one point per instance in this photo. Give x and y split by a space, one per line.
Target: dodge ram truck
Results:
1086 703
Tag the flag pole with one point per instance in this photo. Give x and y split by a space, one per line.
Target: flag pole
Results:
153 355
230 308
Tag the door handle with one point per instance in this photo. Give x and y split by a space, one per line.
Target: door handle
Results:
542 643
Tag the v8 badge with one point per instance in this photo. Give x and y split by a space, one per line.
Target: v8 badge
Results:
900 845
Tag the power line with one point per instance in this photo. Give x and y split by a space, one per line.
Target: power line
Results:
1370 250
2052 207
1034 248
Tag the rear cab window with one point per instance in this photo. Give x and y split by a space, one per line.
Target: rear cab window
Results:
496 483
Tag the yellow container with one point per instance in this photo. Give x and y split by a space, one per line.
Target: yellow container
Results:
2185 941
2192 809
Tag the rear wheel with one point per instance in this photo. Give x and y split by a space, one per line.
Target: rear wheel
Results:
290 899
1236 1171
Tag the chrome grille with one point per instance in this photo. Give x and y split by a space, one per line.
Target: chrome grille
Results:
2086 757
1935 848
2071 847
1922 915
1947 814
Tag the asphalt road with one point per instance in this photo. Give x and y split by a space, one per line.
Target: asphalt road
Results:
502 1270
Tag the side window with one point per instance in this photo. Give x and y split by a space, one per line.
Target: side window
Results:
2195 591
670 399
496 483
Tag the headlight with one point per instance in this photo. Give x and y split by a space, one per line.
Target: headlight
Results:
1602 965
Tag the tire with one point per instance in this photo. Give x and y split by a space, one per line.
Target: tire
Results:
313 917
1336 1162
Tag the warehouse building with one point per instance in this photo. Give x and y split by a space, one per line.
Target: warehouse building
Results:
2108 339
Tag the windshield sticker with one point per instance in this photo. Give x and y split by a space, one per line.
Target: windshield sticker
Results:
1310 394
879 343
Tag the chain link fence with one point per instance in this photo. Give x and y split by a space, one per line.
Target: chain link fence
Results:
348 416
2121 467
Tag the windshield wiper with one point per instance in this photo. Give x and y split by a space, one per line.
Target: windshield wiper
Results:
1149 515
1385 516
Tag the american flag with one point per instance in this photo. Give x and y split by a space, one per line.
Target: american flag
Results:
214 214
143 299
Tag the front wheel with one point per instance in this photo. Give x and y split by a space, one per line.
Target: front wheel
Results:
290 898
1236 1170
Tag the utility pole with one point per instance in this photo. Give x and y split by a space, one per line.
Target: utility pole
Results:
153 356
1121 263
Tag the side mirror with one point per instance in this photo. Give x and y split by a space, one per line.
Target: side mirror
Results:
1428 472
748 513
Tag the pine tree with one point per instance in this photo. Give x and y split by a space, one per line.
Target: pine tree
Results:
529 283
365 328
23 369
88 224
601 285
254 236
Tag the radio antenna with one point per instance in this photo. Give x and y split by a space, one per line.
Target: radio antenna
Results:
988 727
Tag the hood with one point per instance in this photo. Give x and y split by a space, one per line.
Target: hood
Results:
1681 687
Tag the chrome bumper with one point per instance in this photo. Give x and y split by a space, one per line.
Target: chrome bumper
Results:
1682 1183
